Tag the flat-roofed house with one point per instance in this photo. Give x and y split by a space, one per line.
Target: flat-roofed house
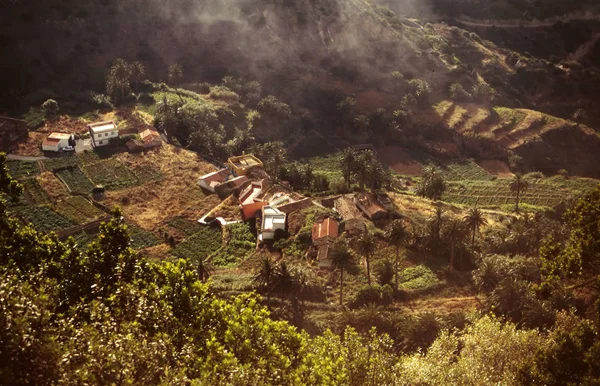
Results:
241 165
211 180
272 220
102 132
57 141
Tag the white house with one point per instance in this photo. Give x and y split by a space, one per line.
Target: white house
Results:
272 220
102 132
211 180
56 141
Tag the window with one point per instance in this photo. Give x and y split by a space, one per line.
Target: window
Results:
99 142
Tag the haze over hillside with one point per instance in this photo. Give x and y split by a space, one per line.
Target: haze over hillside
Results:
299 192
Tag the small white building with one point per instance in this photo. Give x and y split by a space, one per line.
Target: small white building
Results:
56 141
102 132
272 220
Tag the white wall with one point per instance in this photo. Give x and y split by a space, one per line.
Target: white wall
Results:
105 137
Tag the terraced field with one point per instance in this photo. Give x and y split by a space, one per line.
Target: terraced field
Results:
78 209
200 245
23 169
34 192
43 218
111 174
543 192
75 180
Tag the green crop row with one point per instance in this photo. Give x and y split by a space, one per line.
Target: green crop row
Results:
75 180
200 245
78 209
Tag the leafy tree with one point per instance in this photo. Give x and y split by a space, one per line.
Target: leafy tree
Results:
385 272
273 155
138 71
421 90
581 256
396 235
474 220
518 186
366 246
50 107
341 259
118 80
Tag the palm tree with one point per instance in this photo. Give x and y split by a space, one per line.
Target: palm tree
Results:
204 270
365 165
366 246
396 235
284 279
436 223
455 233
265 277
137 73
175 75
117 80
517 186
341 259
474 220
348 164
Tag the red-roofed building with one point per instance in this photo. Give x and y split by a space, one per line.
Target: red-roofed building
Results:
327 229
211 180
56 141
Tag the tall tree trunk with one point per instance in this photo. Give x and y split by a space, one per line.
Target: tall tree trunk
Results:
452 256
473 238
397 264
342 286
517 202
368 269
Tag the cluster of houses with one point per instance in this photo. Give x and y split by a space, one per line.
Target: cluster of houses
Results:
270 204
101 134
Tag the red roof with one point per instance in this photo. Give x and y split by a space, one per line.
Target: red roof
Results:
325 228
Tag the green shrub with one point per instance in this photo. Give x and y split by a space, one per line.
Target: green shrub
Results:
224 94
146 99
34 118
458 93
375 294
418 278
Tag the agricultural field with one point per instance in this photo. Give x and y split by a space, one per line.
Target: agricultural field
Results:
140 238
43 218
111 174
23 169
52 186
147 173
78 209
34 192
75 180
328 165
200 245
239 244
463 170
541 192
53 164
184 226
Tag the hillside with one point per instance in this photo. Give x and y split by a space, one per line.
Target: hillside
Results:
311 192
